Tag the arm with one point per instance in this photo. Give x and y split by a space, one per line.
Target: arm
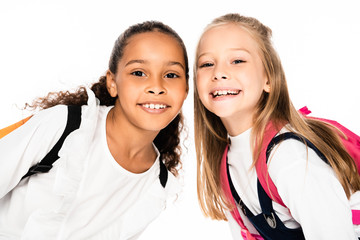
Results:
311 191
28 144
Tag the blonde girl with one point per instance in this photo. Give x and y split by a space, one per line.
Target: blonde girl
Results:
240 88
109 180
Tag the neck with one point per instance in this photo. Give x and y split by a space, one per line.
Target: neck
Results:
238 124
130 146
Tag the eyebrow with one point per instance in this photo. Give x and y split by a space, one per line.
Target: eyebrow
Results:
170 63
232 49
240 49
135 61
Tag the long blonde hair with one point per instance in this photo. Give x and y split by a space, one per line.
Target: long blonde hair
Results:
275 106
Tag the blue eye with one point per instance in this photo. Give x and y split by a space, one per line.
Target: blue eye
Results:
206 65
237 61
171 75
138 74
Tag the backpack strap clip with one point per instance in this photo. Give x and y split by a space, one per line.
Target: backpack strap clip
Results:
243 207
270 219
37 168
40 168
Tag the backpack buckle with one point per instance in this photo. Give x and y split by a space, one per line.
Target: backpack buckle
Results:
38 168
242 206
270 219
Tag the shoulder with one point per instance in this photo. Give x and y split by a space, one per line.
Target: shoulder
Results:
294 157
30 142
36 136
57 112
50 120
291 151
44 122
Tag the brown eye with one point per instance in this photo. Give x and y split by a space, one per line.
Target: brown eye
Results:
138 74
171 75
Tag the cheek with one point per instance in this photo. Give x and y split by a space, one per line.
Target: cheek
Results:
177 90
203 96
200 83
127 91
257 91
129 87
200 89
203 74
181 93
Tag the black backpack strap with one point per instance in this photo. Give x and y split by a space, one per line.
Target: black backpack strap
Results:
265 200
163 176
73 123
267 223
235 195
272 227
291 135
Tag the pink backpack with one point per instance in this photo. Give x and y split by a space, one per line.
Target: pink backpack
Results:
351 142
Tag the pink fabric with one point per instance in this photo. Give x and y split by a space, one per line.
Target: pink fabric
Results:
248 236
262 168
235 213
356 217
351 142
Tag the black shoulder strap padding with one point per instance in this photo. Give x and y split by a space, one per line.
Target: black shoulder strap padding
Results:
163 176
291 135
73 123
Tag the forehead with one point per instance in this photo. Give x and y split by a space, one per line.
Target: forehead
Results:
227 36
143 45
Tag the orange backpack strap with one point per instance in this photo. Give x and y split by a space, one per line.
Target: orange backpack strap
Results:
5 131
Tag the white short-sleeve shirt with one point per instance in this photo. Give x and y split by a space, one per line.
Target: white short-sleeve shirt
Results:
86 195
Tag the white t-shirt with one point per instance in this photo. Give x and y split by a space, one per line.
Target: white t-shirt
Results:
306 184
86 195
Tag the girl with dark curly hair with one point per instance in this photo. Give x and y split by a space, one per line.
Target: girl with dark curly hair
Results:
106 181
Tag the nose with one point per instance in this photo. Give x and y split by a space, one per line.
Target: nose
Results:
220 74
155 87
156 91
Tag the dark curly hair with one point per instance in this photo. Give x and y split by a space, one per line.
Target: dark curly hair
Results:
168 139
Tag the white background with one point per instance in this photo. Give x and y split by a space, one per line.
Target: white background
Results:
57 45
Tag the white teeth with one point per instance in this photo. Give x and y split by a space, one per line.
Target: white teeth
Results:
154 106
218 93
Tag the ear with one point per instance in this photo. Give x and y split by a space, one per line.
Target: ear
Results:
111 83
267 86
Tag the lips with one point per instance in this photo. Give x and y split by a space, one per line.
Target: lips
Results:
154 106
224 92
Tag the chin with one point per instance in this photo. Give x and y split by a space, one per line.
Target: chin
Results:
222 113
154 127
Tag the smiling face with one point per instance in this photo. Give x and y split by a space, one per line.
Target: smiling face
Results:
230 75
150 81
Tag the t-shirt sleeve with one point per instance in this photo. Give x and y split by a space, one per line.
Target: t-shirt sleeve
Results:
28 144
310 189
